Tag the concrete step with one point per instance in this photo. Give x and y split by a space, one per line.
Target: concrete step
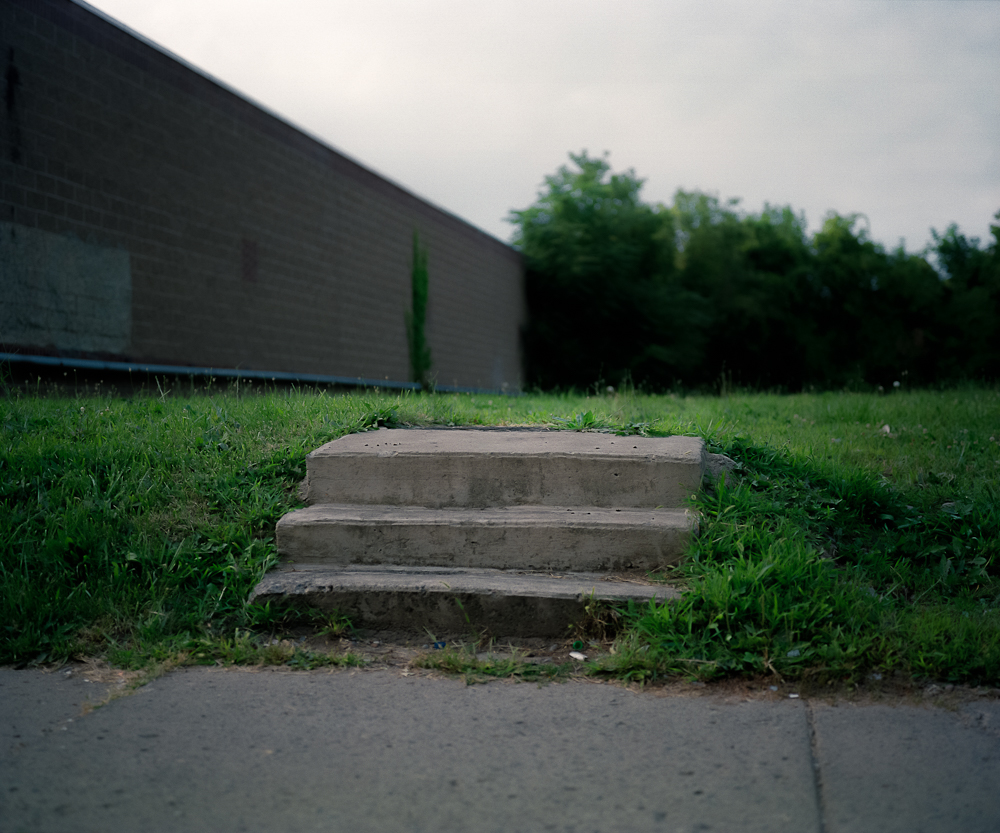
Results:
438 468
505 530
515 537
455 600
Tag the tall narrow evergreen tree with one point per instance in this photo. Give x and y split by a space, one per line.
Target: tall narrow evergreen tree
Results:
416 320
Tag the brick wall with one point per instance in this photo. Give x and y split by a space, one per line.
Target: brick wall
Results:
248 243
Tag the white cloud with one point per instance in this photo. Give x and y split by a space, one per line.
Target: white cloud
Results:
886 108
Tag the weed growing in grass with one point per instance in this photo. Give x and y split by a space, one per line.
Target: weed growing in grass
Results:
281 618
463 660
602 620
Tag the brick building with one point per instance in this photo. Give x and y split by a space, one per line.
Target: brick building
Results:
151 216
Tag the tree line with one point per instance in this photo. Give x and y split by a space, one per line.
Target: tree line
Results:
701 292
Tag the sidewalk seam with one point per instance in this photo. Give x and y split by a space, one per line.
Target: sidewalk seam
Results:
814 761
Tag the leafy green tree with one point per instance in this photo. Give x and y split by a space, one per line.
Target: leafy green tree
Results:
705 293
604 296
753 271
907 321
878 313
971 333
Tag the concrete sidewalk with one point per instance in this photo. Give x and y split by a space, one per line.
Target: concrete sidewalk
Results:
385 750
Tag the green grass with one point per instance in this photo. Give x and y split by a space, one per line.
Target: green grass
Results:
464 661
135 528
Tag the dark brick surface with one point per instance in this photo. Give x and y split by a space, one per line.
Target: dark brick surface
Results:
252 245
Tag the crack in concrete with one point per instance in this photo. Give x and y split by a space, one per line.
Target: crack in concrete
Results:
817 772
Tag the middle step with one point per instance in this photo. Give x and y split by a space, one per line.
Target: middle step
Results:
514 537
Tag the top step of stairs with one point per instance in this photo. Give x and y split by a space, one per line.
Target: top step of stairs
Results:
453 467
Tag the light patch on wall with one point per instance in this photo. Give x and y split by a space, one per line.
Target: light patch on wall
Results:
61 293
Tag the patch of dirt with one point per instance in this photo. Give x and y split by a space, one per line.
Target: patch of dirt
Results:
397 650
99 671
118 683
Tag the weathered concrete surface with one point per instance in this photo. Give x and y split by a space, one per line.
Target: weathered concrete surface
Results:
484 500
905 768
452 600
233 750
479 468
222 751
514 537
718 466
35 704
984 715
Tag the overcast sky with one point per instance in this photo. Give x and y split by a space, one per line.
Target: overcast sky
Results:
888 108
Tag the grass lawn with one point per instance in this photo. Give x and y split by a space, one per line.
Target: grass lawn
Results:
859 535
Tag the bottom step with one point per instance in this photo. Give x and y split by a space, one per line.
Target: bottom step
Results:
450 600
